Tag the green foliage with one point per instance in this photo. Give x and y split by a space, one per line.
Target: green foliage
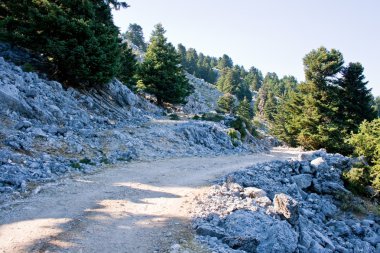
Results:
76 166
174 116
327 107
27 67
358 100
128 66
212 117
136 36
254 78
198 65
234 135
161 73
226 103
357 179
367 141
86 161
230 81
225 62
272 92
244 109
78 37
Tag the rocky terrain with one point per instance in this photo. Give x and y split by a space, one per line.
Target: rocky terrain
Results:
286 206
203 99
47 131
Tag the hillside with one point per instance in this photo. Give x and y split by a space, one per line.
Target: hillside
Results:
47 131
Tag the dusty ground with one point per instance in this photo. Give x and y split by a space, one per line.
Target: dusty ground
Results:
135 207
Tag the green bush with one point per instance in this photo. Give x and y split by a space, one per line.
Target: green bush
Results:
212 117
196 117
367 143
174 116
357 179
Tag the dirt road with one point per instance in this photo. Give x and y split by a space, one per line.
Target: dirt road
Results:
135 207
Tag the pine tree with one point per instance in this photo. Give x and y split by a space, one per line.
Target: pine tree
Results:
135 35
244 109
181 49
226 103
287 119
225 62
254 78
358 100
128 66
161 73
77 37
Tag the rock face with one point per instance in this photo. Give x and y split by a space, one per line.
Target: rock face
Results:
291 206
47 131
203 99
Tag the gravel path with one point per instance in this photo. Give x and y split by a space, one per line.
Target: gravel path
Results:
133 207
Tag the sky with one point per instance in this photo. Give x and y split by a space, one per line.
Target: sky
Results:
272 35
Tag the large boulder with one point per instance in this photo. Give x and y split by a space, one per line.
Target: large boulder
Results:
287 207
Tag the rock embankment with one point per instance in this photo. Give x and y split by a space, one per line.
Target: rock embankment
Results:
292 206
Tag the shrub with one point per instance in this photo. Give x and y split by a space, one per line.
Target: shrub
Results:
367 143
357 179
174 116
212 117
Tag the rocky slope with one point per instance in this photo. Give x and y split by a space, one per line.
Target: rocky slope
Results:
47 131
203 99
292 206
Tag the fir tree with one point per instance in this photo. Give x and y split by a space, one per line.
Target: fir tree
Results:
161 73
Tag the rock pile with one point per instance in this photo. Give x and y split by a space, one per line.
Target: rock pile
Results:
291 206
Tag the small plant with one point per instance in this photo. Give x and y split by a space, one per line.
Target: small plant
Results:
104 160
86 161
27 67
76 166
233 133
196 117
212 117
173 116
357 179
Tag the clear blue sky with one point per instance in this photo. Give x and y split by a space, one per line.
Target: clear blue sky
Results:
272 35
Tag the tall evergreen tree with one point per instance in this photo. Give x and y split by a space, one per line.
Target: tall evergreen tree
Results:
136 36
254 78
225 62
244 109
128 66
181 49
226 103
161 73
357 104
